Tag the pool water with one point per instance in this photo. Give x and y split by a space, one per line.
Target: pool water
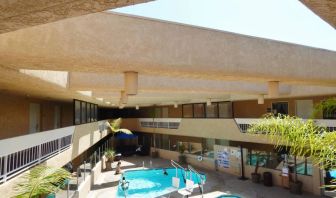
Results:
152 182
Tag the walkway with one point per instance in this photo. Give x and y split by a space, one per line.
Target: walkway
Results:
217 183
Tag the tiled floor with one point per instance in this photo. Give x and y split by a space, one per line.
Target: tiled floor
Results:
217 183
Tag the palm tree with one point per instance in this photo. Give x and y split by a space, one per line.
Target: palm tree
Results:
114 125
41 180
303 137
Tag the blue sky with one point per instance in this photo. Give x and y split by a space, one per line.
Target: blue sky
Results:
284 20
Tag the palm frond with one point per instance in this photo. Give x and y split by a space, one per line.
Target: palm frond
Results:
41 180
304 138
114 125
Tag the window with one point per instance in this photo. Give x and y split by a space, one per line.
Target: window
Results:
187 110
280 108
77 112
199 110
84 112
88 112
83 107
212 110
225 109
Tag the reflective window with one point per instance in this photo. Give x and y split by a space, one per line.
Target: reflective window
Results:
187 110
212 110
199 110
225 109
77 112
83 106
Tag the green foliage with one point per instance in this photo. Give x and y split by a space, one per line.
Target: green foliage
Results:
326 106
182 148
114 125
304 138
109 153
41 180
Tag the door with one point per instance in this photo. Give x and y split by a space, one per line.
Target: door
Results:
304 108
34 117
57 117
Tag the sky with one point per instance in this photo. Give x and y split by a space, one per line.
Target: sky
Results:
283 20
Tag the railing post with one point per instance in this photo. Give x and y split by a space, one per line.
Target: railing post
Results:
84 169
5 167
59 145
39 153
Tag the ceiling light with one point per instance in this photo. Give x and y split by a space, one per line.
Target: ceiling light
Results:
261 99
208 103
273 89
108 102
137 107
123 98
100 99
131 82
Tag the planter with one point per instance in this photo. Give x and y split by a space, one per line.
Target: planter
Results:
255 177
154 154
108 165
182 159
268 180
295 187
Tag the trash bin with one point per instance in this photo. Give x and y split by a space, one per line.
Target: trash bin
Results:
268 181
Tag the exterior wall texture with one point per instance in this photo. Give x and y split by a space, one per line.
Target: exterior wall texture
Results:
14 116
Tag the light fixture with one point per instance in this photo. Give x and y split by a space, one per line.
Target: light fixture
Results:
261 99
123 97
131 82
208 102
100 99
273 89
175 105
137 107
108 102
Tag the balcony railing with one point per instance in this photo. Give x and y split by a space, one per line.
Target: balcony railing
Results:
18 154
167 123
245 123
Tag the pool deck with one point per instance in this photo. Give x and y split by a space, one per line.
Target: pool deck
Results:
217 183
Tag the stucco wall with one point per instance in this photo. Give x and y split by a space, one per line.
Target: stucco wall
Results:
251 109
14 116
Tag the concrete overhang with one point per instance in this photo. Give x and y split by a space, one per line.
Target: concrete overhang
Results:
113 43
15 15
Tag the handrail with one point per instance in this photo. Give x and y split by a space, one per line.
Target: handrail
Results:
176 165
191 169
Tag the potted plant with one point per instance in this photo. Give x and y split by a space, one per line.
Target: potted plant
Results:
182 158
303 138
255 176
41 181
109 154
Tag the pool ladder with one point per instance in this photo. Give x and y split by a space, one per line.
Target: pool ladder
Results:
191 170
177 166
200 185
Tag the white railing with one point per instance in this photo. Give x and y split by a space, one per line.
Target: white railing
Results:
168 123
245 123
17 154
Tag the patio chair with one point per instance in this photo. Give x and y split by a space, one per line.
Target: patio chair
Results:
185 192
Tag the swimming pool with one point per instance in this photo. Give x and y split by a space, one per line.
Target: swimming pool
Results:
152 182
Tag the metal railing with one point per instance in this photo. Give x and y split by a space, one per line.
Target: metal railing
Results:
245 123
167 123
20 153
192 170
177 166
